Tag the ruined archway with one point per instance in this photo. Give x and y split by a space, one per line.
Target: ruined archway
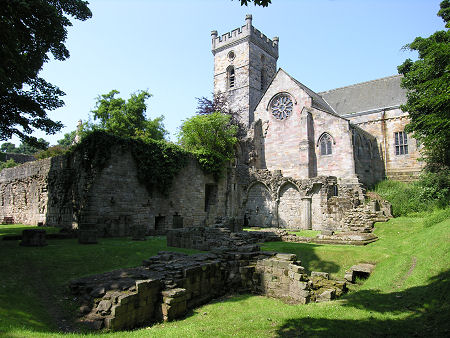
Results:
289 207
258 207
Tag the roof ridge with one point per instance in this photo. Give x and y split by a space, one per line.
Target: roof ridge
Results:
360 83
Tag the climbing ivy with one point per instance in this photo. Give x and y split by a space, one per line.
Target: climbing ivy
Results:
157 162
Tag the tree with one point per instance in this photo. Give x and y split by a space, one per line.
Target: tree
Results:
211 137
427 81
127 118
263 3
219 103
29 31
30 149
8 164
24 147
67 140
8 147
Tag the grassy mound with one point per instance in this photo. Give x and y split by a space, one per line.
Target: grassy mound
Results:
421 196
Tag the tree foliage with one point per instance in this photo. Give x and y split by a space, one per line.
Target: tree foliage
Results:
157 161
428 98
30 31
8 164
219 103
24 147
211 137
263 3
127 118
67 140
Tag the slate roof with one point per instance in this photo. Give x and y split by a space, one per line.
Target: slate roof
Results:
366 96
317 101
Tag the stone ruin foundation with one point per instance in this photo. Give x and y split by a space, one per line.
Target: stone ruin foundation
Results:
169 284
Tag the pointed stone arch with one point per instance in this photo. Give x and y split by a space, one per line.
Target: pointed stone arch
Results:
289 206
258 207
325 143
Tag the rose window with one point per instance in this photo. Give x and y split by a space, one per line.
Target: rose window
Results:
282 106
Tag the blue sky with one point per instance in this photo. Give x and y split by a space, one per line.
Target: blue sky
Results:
164 47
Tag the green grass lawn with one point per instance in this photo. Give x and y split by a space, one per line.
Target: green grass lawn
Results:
407 294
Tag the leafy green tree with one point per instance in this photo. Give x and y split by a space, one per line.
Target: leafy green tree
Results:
211 137
50 152
24 147
427 81
263 3
67 140
30 149
8 147
127 118
8 164
30 31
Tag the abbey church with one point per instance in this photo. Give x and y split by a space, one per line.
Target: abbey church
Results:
304 163
354 132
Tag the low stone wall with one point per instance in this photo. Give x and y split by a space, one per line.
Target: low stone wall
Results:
169 284
213 238
216 238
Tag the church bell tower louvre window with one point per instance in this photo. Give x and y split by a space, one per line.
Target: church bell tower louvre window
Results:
231 77
401 143
281 106
325 143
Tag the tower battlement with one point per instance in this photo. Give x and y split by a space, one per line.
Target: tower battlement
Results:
244 32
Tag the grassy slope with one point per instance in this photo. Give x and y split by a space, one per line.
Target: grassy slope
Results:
407 294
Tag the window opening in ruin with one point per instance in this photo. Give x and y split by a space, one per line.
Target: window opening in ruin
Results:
231 77
210 195
325 145
401 143
358 145
335 190
160 223
262 79
177 222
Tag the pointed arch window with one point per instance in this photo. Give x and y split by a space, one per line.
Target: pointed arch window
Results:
231 77
326 144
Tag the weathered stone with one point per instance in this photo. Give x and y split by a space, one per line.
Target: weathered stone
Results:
104 307
286 257
320 274
326 296
201 277
33 237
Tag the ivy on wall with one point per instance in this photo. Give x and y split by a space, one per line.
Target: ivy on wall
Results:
157 162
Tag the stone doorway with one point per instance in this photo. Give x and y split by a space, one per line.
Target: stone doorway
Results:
258 208
289 207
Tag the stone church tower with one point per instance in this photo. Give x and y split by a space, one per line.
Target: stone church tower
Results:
245 60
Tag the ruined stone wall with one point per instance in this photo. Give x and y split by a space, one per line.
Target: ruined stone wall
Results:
58 192
117 197
269 199
23 192
170 284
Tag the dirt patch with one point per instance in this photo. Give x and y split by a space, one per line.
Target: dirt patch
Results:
410 271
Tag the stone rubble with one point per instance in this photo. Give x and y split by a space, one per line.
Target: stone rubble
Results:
169 284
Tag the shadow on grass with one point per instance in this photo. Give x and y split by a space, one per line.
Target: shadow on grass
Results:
305 253
424 310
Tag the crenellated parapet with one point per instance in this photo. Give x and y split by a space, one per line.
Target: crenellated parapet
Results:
246 32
